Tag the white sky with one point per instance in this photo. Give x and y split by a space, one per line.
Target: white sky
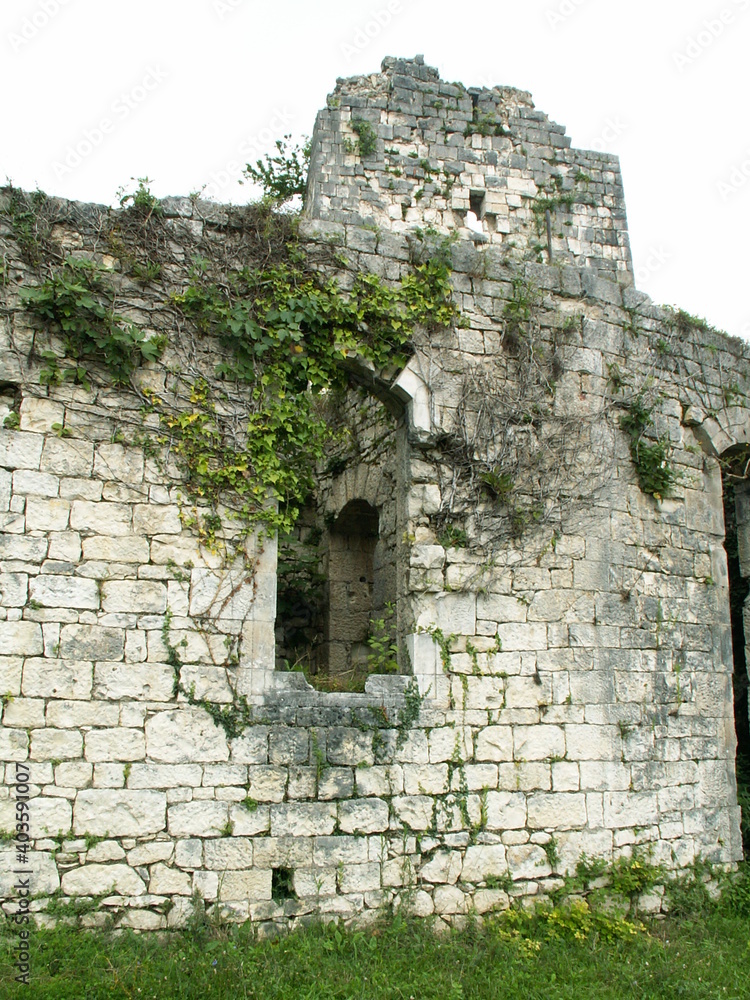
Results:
186 91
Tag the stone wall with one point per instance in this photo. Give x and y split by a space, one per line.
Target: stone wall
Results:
565 639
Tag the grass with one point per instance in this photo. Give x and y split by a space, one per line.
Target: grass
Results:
704 955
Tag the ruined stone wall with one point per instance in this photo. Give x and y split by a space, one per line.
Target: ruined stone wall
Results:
567 687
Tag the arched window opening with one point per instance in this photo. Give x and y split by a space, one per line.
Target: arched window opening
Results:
736 483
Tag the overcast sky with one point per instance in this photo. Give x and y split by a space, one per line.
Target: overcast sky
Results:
96 92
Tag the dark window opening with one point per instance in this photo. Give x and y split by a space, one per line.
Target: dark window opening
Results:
10 404
474 95
282 884
335 617
476 203
737 545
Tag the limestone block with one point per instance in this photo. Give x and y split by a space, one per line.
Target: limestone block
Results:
629 809
38 415
48 816
141 596
449 899
113 461
47 514
251 747
20 449
165 776
229 594
449 743
453 613
303 819
149 854
206 884
55 744
22 548
166 881
57 679
572 844
517 636
20 639
379 780
107 850
414 811
443 867
72 714
415 750
495 743
117 548
120 812
267 784
427 557
482 861
67 457
360 878
565 777
209 683
248 885
604 775
538 742
115 744
65 592
528 861
151 519
557 811
24 713
65 546
592 742
363 816
350 747
475 777
425 779
506 810
6 481
96 880
249 822
142 681
46 877
184 736
73 774
314 882
89 642
485 693
10 673
201 818
13 590
102 518
228 853
189 853
499 608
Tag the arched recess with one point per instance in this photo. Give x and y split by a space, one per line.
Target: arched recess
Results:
726 439
341 576
736 496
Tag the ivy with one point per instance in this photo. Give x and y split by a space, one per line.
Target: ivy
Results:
78 299
656 475
284 175
288 332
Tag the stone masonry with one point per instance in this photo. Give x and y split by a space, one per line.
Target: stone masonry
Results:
565 659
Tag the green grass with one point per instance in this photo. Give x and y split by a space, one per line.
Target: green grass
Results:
699 957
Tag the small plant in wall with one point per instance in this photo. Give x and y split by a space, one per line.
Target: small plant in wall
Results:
651 455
